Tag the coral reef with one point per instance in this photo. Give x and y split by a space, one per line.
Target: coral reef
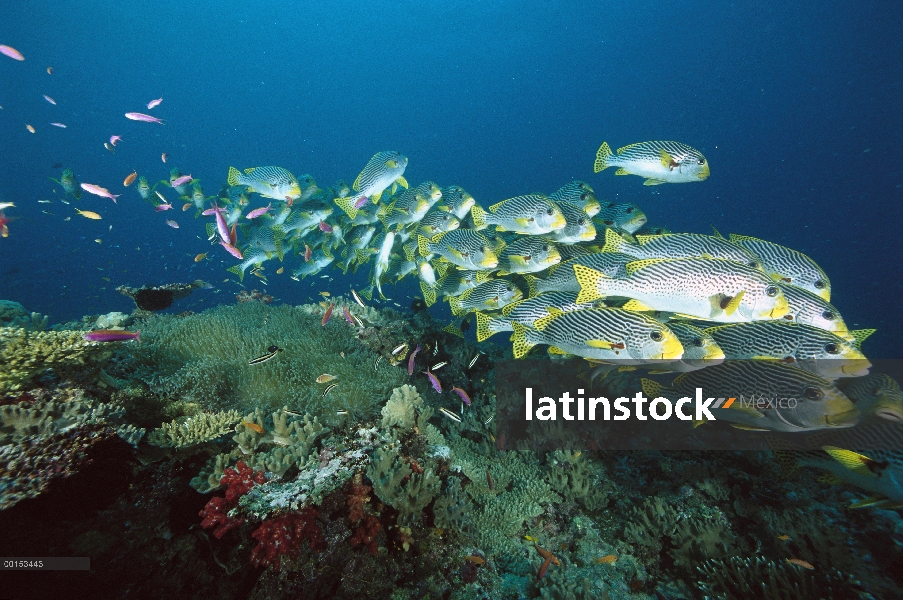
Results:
193 430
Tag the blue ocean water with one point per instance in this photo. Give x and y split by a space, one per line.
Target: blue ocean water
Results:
797 109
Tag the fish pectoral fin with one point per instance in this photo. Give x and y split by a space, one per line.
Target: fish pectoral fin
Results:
636 306
667 160
654 182
517 259
698 422
601 344
870 501
622 172
734 303
858 463
746 410
375 197
402 182
523 221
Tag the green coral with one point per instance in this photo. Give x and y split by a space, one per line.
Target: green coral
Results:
574 477
204 358
396 484
401 409
27 354
452 509
193 430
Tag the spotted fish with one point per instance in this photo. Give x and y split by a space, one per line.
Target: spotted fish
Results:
658 162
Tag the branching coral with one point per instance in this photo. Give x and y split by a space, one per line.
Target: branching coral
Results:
189 431
396 484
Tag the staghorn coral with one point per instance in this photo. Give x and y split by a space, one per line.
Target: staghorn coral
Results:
27 354
739 579
194 430
204 358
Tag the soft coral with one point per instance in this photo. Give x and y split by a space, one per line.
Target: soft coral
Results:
216 514
282 536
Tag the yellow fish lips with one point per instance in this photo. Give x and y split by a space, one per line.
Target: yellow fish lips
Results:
490 261
294 191
855 366
704 172
713 352
888 407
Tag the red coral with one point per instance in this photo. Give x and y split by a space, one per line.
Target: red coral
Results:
282 537
357 498
366 534
216 514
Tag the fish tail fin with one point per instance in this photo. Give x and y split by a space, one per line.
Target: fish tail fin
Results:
455 304
587 278
479 217
346 205
234 176
860 335
429 294
602 155
423 245
367 293
238 271
483 330
521 345
138 336
454 328
613 241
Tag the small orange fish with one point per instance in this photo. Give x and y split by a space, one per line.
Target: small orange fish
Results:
489 480
544 567
800 563
784 538
29 128
186 206
163 157
325 294
253 427
606 560
477 560
130 179
280 270
200 257
547 555
325 378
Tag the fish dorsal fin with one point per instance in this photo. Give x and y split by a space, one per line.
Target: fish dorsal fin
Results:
622 149
858 463
496 206
636 265
645 239
436 238
442 269
717 233
482 276
635 305
613 241
734 303
249 171
651 389
356 186
543 322
734 237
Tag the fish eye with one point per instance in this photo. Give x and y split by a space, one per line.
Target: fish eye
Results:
550 212
581 221
828 315
754 264
607 222
629 210
611 205
656 336
819 284
697 342
545 247
812 393
584 196
771 291
832 348
701 161
273 349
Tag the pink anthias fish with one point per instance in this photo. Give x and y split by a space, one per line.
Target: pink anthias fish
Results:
434 381
411 360
112 335
328 314
59 125
99 191
143 117
347 314
172 223
154 103
232 250
162 207
221 227
181 181
49 99
325 227
463 395
360 202
258 212
114 139
11 52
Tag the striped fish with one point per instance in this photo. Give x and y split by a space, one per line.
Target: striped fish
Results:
869 457
269 182
579 194
703 288
757 385
877 394
436 222
411 206
578 226
528 255
561 277
626 216
658 162
455 283
381 171
464 248
526 312
700 349
457 201
533 214
491 295
787 265
811 348
810 309
680 245
602 334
